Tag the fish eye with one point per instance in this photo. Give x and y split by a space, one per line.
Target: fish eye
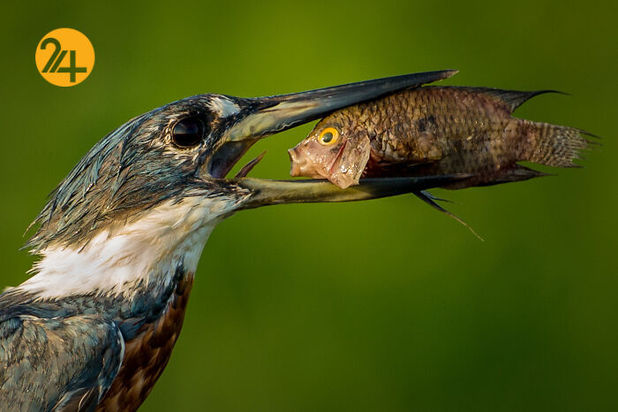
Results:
188 133
328 136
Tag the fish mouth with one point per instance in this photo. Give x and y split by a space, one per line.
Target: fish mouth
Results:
261 117
299 166
296 166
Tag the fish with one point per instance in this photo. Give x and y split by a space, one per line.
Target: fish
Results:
436 130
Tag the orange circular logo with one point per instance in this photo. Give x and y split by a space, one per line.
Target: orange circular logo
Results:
64 57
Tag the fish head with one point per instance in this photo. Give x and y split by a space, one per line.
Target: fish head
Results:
331 152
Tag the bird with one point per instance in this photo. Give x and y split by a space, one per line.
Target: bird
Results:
119 240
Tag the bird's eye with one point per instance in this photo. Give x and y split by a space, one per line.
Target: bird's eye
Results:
328 136
188 133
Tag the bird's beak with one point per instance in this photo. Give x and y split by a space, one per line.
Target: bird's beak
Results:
260 117
274 114
265 192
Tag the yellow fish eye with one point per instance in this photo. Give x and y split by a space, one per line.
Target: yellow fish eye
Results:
328 136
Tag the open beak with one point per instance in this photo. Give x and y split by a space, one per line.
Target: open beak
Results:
260 117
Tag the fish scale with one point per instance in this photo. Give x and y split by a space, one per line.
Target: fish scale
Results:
437 125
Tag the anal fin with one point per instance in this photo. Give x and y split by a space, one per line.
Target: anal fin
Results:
517 173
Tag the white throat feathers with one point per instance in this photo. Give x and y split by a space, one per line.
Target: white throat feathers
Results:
142 253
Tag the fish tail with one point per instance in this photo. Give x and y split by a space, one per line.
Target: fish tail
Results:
552 145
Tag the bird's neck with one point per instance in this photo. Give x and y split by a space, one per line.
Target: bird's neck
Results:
140 258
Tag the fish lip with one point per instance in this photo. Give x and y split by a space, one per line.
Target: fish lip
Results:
295 168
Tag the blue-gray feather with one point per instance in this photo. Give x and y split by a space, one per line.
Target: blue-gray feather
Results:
48 363
130 170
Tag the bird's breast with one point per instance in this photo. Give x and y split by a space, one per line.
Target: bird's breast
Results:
147 353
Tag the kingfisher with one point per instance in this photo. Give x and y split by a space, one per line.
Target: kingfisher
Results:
120 238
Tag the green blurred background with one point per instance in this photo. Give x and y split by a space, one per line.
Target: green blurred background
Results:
380 306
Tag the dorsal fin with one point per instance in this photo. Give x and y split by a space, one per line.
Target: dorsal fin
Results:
513 98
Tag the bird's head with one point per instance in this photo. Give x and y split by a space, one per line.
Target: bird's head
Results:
165 171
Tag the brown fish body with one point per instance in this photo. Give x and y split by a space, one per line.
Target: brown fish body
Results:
434 131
